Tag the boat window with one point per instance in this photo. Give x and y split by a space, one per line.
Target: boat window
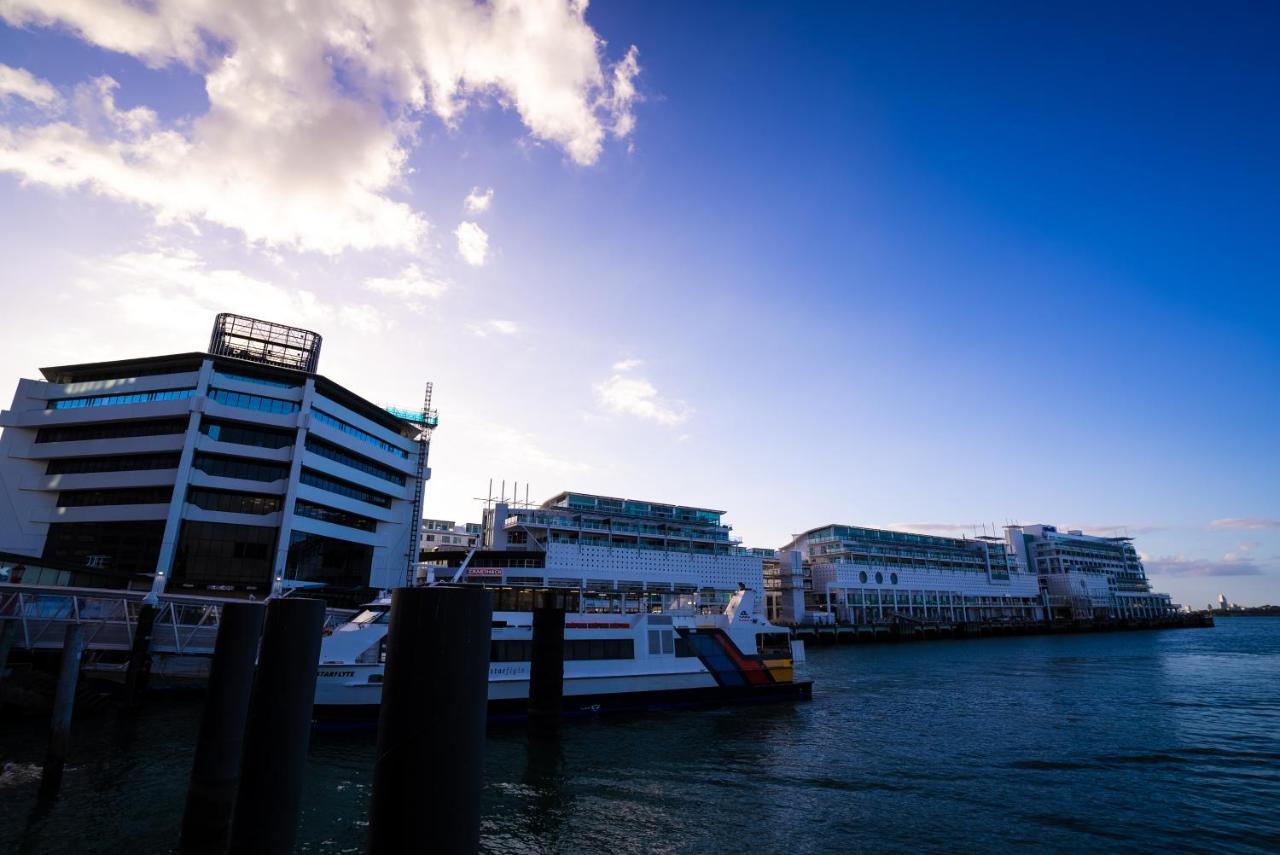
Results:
774 644
660 642
372 616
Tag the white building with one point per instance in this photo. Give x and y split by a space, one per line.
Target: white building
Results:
236 469
1087 576
867 576
440 535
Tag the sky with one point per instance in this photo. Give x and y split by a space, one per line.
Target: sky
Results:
913 266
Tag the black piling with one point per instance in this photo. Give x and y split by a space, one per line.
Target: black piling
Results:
215 771
278 729
428 770
139 671
8 632
546 668
63 703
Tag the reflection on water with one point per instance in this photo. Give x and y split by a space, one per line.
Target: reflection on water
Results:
1116 742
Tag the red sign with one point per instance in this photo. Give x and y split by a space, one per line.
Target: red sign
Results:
487 572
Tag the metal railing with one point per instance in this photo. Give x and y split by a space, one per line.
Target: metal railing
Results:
183 626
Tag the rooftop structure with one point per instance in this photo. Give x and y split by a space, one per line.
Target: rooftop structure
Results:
237 469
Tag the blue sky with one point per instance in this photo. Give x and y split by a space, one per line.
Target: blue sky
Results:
928 268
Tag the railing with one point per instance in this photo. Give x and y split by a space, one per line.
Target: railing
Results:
184 625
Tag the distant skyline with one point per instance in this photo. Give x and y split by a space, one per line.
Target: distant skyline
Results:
929 268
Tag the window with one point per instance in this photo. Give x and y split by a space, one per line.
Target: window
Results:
893 578
660 642
120 463
862 576
248 378
315 558
113 430
602 648
229 502
261 403
360 464
246 434
123 496
351 430
774 645
334 516
344 488
879 578
113 400
129 547
235 467
225 554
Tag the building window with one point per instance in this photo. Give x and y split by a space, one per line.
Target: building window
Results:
122 496
236 467
862 576
239 434
893 578
333 515
249 378
261 403
113 400
112 430
127 547
344 488
879 578
119 463
229 502
364 436
360 464
224 554
315 558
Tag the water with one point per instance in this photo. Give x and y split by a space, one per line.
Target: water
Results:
1117 742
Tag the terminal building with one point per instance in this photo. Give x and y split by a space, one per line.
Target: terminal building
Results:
1086 576
237 469
860 576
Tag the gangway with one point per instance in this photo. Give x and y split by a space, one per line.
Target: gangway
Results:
185 625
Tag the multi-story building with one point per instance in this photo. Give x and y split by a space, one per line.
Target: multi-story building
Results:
867 576
236 469
440 535
603 544
1087 576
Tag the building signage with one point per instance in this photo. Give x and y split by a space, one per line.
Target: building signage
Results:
485 572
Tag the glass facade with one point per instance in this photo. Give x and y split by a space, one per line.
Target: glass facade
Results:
221 554
230 502
121 496
128 547
315 558
237 467
360 464
265 381
261 403
112 400
239 434
343 488
118 463
364 436
333 515
111 430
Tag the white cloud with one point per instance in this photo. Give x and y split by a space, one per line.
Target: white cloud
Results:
174 288
412 286
478 201
312 115
1247 523
20 83
495 325
473 243
1180 565
625 393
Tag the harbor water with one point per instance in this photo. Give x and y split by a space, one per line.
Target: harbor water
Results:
1131 741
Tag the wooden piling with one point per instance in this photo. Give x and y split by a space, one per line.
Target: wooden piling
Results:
428 769
8 632
139 671
278 729
63 704
215 770
546 669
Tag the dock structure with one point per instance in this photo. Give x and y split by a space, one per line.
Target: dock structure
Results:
825 634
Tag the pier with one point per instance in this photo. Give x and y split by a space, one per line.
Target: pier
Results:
903 628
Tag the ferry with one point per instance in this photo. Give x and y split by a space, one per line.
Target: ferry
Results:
613 662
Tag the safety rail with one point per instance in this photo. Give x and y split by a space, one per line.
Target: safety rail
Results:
184 625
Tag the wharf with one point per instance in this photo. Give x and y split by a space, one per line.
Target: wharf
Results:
903 630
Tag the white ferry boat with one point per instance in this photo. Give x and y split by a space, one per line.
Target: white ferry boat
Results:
664 610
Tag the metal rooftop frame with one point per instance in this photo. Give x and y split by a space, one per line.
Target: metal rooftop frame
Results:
265 342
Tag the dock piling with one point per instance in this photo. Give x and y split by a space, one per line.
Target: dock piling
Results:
278 729
546 668
431 728
215 770
139 671
63 704
8 632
